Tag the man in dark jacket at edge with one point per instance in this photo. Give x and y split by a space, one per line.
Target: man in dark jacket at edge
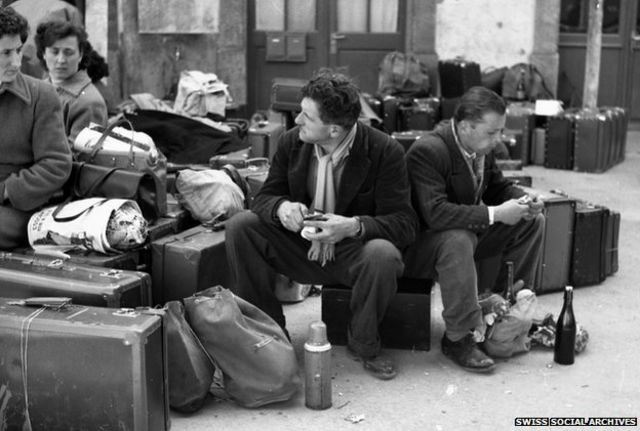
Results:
356 176
468 210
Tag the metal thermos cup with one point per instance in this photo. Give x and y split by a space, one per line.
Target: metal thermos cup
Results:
317 368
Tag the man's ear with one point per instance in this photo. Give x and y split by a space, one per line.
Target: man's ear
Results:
335 130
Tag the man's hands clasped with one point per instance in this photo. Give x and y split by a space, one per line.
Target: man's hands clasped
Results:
514 210
326 228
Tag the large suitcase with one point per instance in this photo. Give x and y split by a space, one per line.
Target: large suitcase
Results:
263 139
558 148
82 368
588 256
187 262
407 322
559 211
457 76
22 276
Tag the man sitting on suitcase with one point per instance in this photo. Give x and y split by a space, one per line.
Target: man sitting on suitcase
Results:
468 210
334 209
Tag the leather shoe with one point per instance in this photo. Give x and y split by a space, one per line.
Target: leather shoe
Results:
379 367
467 354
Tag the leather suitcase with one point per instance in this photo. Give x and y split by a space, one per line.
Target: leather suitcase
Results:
558 148
407 324
421 114
263 139
286 94
408 137
23 276
82 368
448 106
554 269
131 260
588 257
457 76
590 131
391 110
187 262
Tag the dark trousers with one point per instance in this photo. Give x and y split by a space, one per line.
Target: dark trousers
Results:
13 227
449 257
257 251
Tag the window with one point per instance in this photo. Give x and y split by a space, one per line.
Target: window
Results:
368 16
574 16
286 15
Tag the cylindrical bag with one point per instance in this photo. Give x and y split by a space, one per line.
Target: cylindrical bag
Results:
128 150
81 223
257 360
191 369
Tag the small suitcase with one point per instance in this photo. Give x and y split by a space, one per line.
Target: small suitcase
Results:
391 113
457 76
263 139
421 114
554 269
187 262
22 276
588 257
558 148
407 322
82 368
286 94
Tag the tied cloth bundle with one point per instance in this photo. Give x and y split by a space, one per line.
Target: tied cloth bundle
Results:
325 196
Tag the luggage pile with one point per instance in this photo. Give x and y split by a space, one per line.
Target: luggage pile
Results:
83 314
582 140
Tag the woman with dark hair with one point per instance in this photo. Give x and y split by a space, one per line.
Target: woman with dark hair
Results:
36 160
63 50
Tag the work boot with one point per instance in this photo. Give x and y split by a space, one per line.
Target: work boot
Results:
467 354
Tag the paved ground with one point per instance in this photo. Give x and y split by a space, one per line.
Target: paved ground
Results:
431 393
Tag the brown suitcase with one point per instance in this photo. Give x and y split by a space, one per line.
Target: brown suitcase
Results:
23 276
554 269
187 262
82 368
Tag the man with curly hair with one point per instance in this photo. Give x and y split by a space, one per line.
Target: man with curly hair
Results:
353 178
36 159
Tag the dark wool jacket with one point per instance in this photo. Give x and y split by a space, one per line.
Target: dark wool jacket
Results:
374 184
443 187
35 158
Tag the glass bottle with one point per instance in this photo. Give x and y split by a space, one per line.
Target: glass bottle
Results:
564 348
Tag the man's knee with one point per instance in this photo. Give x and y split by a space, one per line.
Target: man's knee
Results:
380 253
241 222
457 241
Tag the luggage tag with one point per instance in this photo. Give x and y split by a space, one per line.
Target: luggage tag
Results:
55 303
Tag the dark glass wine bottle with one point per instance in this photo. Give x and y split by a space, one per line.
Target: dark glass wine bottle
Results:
564 349
520 89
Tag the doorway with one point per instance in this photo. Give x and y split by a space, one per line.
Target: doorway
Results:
351 36
620 56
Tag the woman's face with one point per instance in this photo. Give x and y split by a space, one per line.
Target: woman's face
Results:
63 58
